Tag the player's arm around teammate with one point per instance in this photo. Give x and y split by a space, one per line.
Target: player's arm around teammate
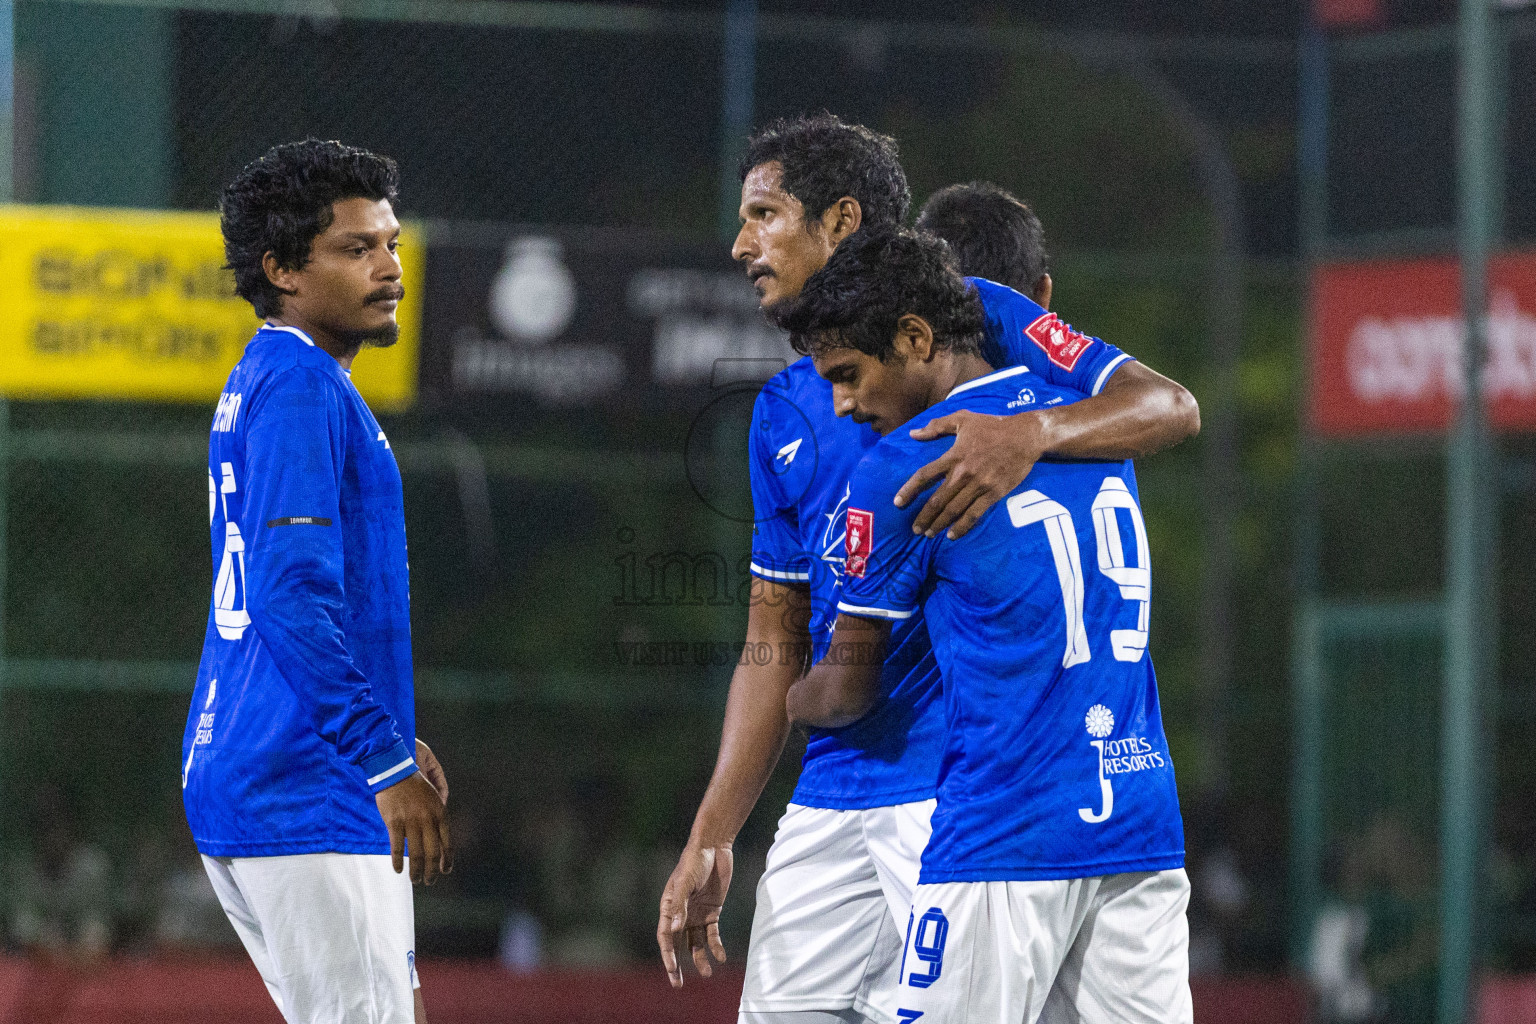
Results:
1137 411
751 741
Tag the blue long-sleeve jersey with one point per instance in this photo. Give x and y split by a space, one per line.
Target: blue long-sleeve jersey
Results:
304 706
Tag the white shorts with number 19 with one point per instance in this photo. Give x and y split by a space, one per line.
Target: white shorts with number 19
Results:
1107 950
333 934
832 910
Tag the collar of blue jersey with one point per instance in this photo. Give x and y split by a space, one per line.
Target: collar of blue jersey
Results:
270 326
1011 371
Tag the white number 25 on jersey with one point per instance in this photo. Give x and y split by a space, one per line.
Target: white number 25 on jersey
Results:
1134 580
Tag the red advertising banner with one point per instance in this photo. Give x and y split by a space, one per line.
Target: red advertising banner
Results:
1386 339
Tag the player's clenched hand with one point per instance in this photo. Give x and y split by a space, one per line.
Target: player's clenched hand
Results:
690 906
990 457
414 814
432 768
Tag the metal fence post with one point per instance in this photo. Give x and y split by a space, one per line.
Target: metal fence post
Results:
7 192
1470 637
739 71
1306 650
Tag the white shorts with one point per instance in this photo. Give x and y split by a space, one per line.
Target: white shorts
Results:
1107 950
333 934
832 907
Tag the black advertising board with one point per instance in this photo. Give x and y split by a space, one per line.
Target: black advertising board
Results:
521 319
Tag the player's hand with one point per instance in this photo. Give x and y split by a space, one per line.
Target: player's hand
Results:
990 457
432 768
413 812
690 906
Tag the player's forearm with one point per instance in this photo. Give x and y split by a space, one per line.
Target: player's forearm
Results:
756 726
296 621
1138 412
751 741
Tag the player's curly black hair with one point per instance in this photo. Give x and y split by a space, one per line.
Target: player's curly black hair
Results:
281 200
872 280
992 233
824 158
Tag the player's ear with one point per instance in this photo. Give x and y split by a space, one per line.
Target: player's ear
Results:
841 219
1041 292
914 337
280 276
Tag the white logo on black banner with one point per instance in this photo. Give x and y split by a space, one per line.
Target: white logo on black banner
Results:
534 296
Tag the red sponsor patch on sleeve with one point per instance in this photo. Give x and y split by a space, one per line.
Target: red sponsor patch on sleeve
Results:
859 541
1062 344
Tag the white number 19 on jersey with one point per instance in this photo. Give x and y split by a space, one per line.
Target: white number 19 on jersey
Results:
1134 580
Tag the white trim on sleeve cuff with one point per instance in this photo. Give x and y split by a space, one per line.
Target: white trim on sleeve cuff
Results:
1098 385
408 762
879 613
774 574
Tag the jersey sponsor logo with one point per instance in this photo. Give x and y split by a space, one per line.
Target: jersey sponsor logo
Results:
1100 722
860 542
1116 757
1061 343
1026 397
789 451
224 416
204 734
299 521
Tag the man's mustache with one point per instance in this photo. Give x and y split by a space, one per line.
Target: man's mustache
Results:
393 291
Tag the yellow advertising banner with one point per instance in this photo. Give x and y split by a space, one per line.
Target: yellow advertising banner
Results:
136 305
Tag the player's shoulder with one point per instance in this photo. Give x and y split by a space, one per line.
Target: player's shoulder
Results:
794 400
282 364
999 300
792 382
1013 389
890 462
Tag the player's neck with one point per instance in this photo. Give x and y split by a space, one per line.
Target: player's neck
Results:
337 349
962 368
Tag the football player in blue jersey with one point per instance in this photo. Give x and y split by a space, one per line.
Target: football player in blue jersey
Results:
1053 885
304 783
833 902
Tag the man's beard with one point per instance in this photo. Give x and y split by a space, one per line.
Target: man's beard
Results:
382 336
